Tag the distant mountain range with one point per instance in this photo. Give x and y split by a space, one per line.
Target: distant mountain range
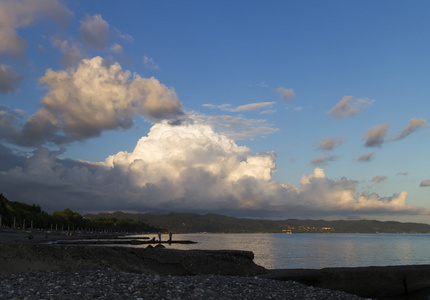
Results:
214 223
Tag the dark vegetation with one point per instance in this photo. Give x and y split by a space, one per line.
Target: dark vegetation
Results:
17 213
192 223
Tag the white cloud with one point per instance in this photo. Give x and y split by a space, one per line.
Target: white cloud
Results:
190 168
16 14
9 79
374 137
95 97
348 107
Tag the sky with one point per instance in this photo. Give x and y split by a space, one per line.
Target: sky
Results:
257 109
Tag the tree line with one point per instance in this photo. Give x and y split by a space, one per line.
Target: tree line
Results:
20 215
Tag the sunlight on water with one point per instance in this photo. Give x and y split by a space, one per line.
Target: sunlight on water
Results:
291 251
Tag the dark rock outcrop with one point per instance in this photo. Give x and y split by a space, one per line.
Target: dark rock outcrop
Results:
17 257
374 282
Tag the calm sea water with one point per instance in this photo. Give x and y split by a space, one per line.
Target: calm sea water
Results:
315 251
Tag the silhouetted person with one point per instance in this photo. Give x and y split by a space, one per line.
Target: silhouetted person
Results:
170 236
159 236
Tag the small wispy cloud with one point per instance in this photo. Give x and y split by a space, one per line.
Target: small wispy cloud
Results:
365 157
348 107
319 161
402 174
374 137
149 63
329 143
261 84
286 94
246 107
425 183
239 127
414 125
379 179
123 36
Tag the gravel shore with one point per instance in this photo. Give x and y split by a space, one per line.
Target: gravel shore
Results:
114 284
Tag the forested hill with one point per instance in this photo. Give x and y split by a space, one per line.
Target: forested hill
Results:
193 223
15 215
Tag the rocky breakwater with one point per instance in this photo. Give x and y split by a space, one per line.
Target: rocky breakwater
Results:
19 257
385 282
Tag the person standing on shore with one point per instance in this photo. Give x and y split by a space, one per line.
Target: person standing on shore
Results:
159 236
170 236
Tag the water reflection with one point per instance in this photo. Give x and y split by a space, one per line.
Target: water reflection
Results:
292 251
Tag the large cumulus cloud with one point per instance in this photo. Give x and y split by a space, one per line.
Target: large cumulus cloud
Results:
188 167
97 96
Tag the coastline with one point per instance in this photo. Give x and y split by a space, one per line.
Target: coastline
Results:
20 255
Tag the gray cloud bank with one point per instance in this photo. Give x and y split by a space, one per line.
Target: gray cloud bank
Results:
187 167
16 14
9 79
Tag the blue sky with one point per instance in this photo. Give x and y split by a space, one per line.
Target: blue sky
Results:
279 109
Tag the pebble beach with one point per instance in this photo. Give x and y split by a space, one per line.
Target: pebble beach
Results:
111 283
114 284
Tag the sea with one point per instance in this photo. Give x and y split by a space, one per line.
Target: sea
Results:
316 251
